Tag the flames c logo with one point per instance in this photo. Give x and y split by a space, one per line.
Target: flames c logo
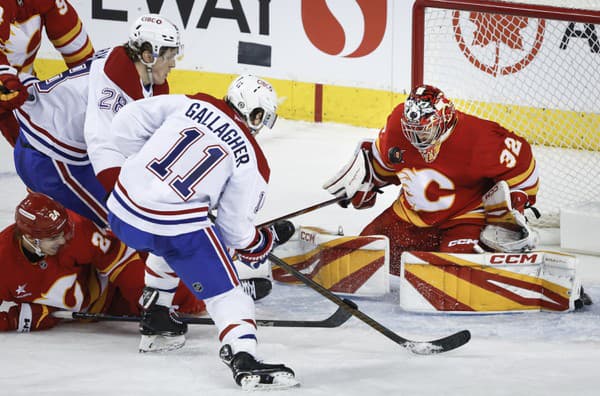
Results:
498 44
326 32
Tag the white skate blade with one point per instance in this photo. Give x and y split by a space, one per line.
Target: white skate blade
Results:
281 380
158 343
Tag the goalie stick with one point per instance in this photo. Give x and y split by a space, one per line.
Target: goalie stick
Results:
306 210
339 317
418 347
302 211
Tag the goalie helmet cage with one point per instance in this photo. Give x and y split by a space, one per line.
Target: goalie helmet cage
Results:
533 68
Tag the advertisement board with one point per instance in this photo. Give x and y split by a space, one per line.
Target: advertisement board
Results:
332 60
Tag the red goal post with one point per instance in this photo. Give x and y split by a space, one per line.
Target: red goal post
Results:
533 68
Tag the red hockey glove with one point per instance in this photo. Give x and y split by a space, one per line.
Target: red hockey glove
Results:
12 92
265 240
256 253
27 317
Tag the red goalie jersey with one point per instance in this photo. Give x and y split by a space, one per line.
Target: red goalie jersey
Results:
21 27
445 161
92 272
477 154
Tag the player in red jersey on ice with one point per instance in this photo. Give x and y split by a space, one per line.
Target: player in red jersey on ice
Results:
55 259
465 180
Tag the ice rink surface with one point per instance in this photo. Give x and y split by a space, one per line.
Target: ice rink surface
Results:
512 354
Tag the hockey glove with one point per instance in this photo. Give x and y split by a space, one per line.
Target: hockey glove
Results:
265 240
257 252
12 92
357 182
507 229
27 317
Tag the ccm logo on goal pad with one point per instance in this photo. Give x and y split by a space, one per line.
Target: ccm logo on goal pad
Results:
514 258
307 237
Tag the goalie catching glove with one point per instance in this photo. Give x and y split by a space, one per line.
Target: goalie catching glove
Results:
265 240
12 92
357 182
506 229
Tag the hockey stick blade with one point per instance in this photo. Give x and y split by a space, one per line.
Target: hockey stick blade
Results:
339 317
445 344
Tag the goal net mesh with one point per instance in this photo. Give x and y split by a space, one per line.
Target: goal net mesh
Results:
531 69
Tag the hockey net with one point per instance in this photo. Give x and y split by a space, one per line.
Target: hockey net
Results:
533 68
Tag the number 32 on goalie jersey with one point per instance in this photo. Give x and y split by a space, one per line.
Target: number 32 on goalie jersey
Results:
184 184
509 155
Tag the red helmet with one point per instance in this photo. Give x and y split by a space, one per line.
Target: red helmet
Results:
39 216
428 115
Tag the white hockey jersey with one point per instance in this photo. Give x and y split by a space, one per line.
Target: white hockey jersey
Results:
69 114
183 156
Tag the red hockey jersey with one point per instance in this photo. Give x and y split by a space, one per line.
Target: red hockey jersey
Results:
21 32
84 275
476 155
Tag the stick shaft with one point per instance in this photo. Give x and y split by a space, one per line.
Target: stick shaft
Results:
336 319
301 211
337 300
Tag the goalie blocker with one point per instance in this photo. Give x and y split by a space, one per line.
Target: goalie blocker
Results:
490 282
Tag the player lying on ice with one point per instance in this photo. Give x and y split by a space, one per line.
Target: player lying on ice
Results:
465 181
54 259
180 157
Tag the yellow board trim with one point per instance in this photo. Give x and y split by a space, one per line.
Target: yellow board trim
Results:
370 107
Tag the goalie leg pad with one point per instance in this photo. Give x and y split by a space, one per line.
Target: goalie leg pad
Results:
491 282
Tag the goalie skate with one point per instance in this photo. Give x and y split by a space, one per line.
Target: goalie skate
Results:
252 375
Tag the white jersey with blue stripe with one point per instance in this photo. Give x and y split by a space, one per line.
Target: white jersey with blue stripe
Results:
182 156
52 120
69 113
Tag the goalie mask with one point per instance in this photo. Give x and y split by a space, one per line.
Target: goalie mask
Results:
255 100
157 31
428 118
39 216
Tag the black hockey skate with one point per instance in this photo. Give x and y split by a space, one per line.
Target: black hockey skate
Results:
161 328
256 288
251 374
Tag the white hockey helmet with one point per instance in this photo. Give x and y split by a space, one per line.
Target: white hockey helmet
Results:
156 30
255 100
